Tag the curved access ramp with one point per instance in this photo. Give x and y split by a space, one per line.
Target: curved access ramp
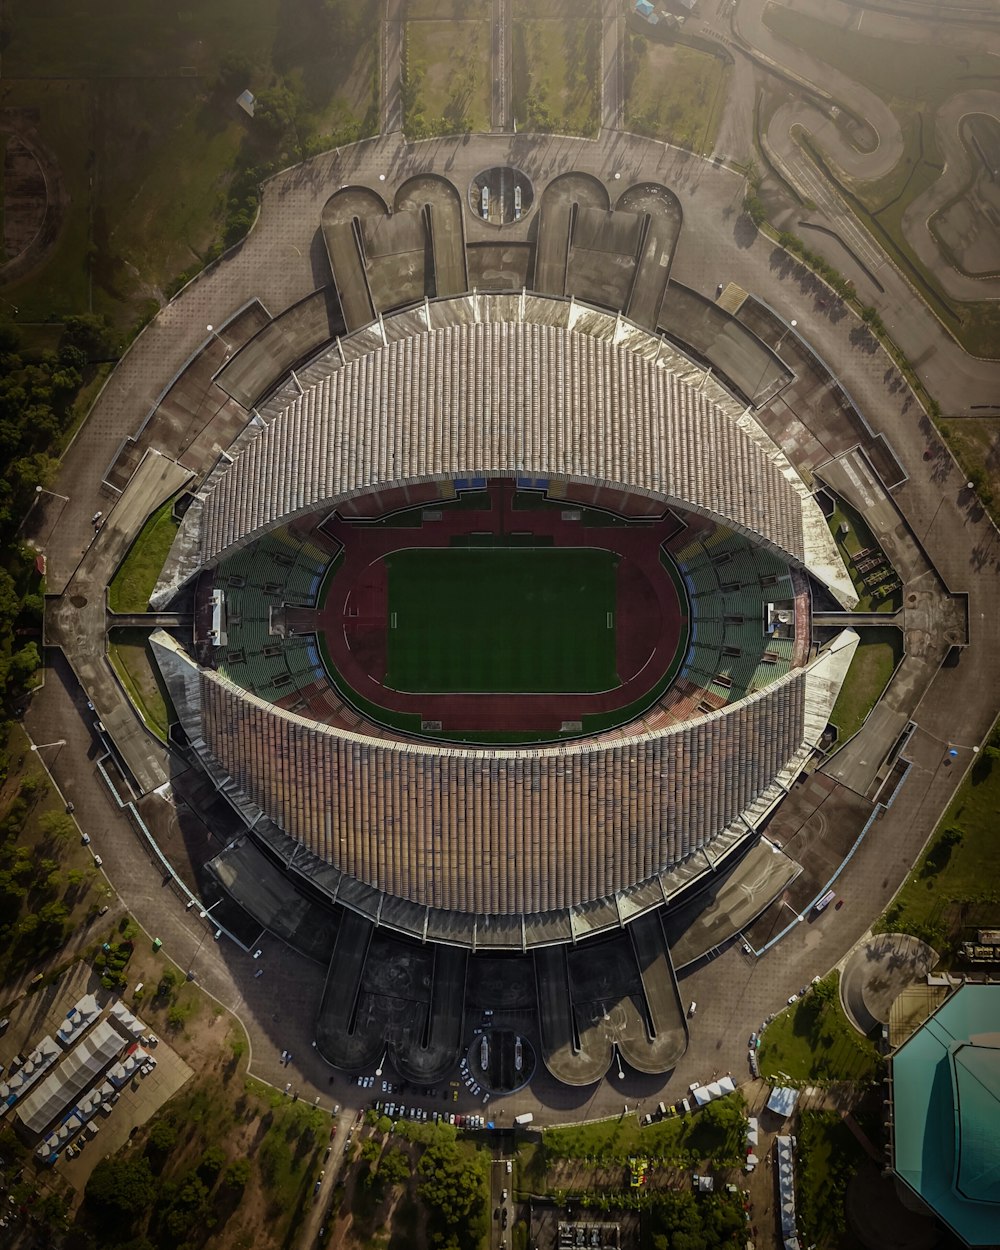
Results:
575 1058
877 973
658 1039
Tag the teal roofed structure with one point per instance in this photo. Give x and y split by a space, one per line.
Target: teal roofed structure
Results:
975 1068
946 1113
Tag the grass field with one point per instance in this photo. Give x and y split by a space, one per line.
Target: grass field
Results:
133 583
556 74
676 94
447 76
813 1041
501 620
130 653
719 1134
875 660
956 884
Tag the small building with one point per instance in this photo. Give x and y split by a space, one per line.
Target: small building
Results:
247 102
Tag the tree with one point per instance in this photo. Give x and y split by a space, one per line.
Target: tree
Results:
212 1162
455 1190
394 1167
162 1137
119 1188
57 825
185 1205
276 109
237 1174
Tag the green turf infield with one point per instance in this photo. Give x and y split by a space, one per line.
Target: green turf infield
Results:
497 620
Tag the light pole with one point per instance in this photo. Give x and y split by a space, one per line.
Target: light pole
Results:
202 914
791 326
212 330
40 746
44 490
378 1070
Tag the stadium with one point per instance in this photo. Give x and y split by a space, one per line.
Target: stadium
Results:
501 642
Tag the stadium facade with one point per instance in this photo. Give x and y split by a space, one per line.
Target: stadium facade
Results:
496 849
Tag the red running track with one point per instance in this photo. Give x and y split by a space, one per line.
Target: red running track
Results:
650 617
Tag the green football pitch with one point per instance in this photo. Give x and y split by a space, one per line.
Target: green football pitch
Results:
500 620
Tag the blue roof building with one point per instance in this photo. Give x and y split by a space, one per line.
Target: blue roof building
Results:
946 1113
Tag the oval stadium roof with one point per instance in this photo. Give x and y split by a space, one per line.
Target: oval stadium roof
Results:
509 847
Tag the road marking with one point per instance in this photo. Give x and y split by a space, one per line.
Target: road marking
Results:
813 182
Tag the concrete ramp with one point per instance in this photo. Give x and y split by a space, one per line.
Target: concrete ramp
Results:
661 1043
437 1056
571 1059
337 1039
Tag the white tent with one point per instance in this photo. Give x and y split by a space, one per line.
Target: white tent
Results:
782 1101
79 1069
78 1020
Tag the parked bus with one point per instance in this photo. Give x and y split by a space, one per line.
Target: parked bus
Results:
825 901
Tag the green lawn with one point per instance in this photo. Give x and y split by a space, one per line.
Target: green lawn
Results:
875 660
956 884
813 1041
130 653
715 1132
501 620
674 93
133 583
556 75
447 74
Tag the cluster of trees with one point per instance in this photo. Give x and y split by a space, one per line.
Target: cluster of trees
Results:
828 1156
36 894
454 1187
112 964
843 286
453 1181
129 1194
682 1221
37 398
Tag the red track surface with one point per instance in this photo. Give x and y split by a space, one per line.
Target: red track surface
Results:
649 616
